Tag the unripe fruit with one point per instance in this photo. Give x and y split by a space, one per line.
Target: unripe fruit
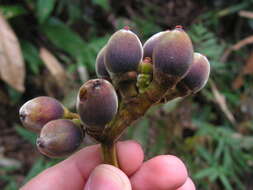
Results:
100 64
97 103
35 113
198 73
58 138
123 52
149 45
173 54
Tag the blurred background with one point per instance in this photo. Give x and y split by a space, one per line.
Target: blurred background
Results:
49 47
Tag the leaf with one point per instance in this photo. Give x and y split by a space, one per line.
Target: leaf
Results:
225 182
54 66
10 11
102 3
221 101
44 9
31 56
64 38
12 67
247 70
205 173
27 135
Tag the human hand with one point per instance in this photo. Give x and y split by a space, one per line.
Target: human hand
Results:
84 170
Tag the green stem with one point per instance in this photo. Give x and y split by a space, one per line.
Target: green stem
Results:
109 154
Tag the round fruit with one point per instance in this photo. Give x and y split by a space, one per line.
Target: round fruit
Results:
198 73
59 138
97 102
173 54
123 52
100 64
35 113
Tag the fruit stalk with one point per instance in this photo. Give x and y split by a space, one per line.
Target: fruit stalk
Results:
109 154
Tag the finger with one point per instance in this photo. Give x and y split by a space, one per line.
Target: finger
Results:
107 177
165 172
73 172
188 185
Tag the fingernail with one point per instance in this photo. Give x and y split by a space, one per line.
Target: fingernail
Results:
106 177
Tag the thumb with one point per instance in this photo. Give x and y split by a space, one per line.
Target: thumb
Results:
107 177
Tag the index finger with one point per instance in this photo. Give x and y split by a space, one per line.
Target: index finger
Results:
73 172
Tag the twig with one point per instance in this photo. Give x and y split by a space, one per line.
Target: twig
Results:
235 47
246 14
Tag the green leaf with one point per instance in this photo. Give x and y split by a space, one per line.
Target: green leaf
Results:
140 132
65 39
10 11
102 3
31 55
44 9
39 166
205 173
27 135
225 182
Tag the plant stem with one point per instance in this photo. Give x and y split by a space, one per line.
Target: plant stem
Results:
109 154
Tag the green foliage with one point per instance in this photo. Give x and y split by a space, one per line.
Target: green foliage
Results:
27 135
44 9
217 153
11 11
31 56
102 3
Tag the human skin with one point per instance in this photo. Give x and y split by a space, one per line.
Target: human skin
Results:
84 170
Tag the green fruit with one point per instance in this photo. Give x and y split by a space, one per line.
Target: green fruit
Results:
123 52
173 54
97 103
35 113
100 64
198 73
59 138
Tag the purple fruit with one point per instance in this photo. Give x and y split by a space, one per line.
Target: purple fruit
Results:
35 113
123 52
173 54
198 73
149 45
100 64
97 103
59 138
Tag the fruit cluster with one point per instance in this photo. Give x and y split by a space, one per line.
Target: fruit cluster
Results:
132 79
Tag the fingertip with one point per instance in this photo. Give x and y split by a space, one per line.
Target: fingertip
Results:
130 155
107 177
161 173
188 185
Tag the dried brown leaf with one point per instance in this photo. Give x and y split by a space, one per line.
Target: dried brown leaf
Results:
12 67
221 101
54 66
246 70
